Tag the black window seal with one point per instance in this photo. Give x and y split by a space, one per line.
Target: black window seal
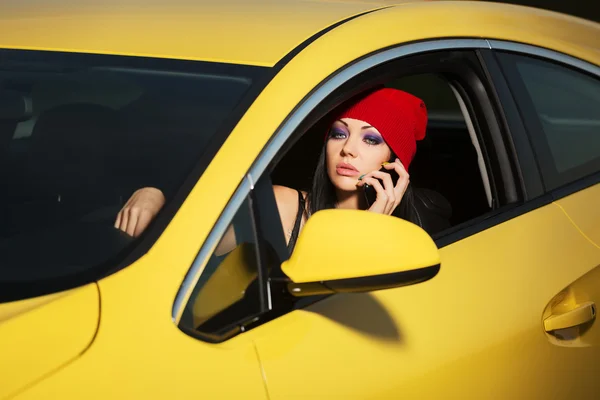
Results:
518 138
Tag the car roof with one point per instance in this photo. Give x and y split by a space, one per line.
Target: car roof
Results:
255 32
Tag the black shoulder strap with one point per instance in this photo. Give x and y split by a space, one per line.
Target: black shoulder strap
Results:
297 223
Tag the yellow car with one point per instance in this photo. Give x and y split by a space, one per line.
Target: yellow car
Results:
494 296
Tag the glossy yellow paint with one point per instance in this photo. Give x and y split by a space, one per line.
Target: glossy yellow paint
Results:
236 31
38 341
408 337
470 331
12 309
582 209
140 353
313 260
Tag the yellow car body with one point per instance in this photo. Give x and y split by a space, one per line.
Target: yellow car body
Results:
475 330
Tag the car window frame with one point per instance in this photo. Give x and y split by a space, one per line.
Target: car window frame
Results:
269 243
494 139
305 112
552 179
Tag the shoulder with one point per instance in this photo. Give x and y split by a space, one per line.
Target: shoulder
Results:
284 192
286 197
287 201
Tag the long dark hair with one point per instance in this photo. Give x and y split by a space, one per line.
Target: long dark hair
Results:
321 195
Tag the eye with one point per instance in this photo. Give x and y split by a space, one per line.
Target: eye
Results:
372 140
337 134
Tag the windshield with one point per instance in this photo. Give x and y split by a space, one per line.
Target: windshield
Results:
78 135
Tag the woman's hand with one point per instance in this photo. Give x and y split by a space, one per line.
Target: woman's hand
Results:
140 210
388 195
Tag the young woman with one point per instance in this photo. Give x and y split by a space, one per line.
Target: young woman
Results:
378 129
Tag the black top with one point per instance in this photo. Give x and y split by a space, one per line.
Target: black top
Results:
296 229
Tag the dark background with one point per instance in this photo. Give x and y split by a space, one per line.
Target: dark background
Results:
588 9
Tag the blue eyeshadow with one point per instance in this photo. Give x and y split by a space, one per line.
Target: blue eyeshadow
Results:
375 138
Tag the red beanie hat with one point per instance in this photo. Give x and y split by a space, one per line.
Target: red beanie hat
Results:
400 117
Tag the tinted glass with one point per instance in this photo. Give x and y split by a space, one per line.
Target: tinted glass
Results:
79 134
562 109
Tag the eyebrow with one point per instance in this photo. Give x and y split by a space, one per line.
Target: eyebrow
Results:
364 127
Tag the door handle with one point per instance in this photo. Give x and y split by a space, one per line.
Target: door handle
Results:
584 312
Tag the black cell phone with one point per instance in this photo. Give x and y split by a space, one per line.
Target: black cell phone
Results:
369 191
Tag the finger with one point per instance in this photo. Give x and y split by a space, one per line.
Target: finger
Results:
381 194
118 220
142 223
398 167
361 179
387 180
132 221
124 219
381 200
403 177
389 188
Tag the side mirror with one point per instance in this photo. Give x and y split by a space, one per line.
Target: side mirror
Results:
358 251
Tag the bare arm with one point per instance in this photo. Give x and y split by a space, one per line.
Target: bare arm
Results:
143 206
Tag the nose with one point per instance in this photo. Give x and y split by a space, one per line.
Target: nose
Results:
350 147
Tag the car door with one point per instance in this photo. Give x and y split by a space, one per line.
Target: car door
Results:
489 325
477 329
559 98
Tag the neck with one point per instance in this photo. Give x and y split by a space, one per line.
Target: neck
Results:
350 200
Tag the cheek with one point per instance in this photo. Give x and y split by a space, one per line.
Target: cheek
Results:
331 151
374 156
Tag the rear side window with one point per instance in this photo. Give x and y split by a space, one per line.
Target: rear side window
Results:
79 134
561 107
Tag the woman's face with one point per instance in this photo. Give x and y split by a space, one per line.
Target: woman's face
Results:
353 148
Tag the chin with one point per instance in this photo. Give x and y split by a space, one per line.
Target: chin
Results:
345 184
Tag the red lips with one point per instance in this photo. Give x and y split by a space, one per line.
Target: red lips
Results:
345 169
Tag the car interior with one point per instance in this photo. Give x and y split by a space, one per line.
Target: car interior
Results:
64 159
74 146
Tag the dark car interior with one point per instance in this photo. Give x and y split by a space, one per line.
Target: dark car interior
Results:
74 146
